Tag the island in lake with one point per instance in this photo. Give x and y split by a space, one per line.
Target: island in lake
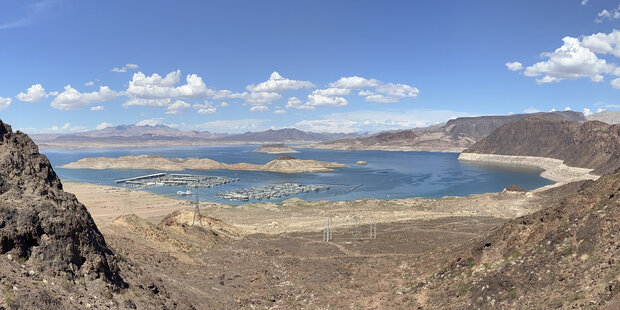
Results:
282 164
278 148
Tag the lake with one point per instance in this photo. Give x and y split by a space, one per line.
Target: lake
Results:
387 175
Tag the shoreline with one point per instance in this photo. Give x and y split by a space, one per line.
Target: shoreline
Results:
553 169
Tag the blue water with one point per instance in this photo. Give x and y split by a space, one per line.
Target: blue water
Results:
387 175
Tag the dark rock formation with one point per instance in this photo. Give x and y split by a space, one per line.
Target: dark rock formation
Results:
40 223
592 144
514 188
285 157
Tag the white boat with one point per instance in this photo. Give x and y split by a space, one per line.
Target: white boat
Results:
184 193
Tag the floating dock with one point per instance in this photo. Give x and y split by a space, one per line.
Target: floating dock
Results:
185 180
270 191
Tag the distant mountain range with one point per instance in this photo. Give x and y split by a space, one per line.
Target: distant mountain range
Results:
161 135
453 136
609 117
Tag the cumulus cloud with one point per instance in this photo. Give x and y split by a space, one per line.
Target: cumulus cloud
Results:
584 2
390 92
570 61
224 104
234 126
206 108
72 99
150 122
531 110
89 83
177 107
514 66
34 93
4 103
603 43
125 68
259 108
97 108
328 125
103 125
279 111
276 83
354 82
587 111
67 127
317 100
608 15
295 103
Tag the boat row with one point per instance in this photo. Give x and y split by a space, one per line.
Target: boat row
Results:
270 191
185 180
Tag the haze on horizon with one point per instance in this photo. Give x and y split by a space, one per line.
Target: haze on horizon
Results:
325 66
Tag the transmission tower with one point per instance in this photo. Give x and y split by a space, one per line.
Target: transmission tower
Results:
197 211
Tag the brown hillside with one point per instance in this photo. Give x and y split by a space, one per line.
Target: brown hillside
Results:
594 144
565 256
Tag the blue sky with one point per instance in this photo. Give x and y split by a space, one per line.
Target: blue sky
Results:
340 66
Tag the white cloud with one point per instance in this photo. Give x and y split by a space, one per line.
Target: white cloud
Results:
293 103
328 125
278 84
390 92
89 83
587 112
125 68
514 66
177 107
97 108
608 15
103 125
224 104
603 43
234 126
34 93
354 82
584 2
317 100
279 111
615 83
332 91
64 128
71 99
599 110
206 108
262 98
150 122
570 61
567 109
531 110
259 108
4 103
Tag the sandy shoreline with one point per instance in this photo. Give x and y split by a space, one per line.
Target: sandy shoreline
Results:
554 169
105 203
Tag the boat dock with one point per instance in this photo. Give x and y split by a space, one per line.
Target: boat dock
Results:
270 191
185 180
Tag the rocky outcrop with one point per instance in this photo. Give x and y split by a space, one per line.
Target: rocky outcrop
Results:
609 117
40 224
594 145
275 149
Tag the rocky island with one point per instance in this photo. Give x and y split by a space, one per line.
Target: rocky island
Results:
275 149
282 164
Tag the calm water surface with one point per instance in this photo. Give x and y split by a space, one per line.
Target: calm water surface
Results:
387 175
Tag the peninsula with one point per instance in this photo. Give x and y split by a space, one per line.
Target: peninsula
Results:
278 148
282 164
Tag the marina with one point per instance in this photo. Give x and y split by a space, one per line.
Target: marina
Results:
270 191
185 180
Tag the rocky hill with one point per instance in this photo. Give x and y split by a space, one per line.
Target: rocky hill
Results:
609 117
454 136
42 224
277 148
565 256
594 144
